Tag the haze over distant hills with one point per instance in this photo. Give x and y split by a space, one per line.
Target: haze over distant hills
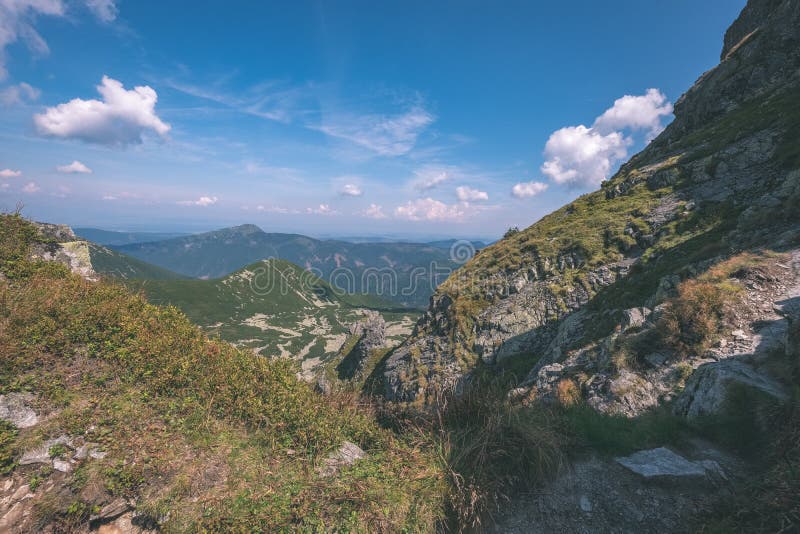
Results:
111 237
405 273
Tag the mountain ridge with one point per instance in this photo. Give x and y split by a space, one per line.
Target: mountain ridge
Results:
703 189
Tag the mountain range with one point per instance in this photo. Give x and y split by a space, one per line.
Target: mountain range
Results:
404 273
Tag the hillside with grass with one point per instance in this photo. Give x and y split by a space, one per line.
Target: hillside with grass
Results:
404 273
277 310
123 412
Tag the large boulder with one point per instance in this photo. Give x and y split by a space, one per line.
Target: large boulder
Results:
708 389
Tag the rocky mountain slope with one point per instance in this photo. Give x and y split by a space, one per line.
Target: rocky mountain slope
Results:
277 309
405 273
722 178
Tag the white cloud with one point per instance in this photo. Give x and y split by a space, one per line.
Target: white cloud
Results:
584 156
351 190
121 118
8 173
428 209
16 22
109 197
431 176
374 211
387 135
528 189
642 112
74 167
18 94
31 187
322 209
5 186
104 10
468 194
202 201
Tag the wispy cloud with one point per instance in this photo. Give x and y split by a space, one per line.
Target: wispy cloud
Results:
383 134
374 211
19 94
17 19
430 176
202 201
8 173
105 10
31 187
322 209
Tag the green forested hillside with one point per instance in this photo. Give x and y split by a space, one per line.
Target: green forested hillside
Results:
275 308
405 273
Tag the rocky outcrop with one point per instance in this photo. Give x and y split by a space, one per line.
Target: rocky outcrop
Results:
371 333
60 244
708 389
730 155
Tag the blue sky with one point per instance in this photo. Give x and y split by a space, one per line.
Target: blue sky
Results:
334 118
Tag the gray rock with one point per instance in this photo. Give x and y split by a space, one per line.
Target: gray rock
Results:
41 454
115 508
347 454
661 462
61 465
707 389
634 318
14 408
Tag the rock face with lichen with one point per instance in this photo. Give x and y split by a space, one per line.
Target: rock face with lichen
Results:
723 177
61 245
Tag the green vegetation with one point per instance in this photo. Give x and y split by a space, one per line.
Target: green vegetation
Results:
223 439
273 307
117 265
391 270
7 435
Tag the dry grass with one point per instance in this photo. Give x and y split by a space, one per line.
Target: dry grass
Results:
221 439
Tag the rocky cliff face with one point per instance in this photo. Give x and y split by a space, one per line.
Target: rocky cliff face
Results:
723 177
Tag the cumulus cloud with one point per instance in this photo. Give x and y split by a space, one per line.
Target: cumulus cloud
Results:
17 18
374 211
74 167
202 201
322 209
641 112
104 10
31 187
528 189
468 194
18 94
8 173
584 156
351 190
428 209
276 209
386 135
581 155
121 118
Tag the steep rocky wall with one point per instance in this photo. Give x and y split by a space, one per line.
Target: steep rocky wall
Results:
722 177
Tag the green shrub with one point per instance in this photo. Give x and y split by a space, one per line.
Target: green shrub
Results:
7 436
